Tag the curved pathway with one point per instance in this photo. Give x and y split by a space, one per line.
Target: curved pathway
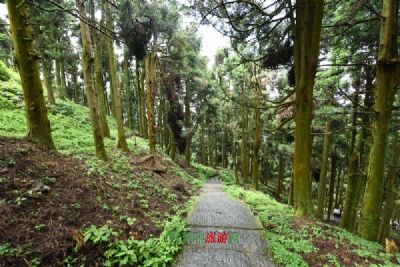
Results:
223 232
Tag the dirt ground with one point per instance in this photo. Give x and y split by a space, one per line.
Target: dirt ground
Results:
46 199
330 244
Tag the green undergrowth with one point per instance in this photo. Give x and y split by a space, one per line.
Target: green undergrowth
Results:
227 176
156 251
70 122
290 243
204 172
72 134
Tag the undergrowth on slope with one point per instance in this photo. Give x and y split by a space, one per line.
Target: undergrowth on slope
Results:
300 242
204 172
72 134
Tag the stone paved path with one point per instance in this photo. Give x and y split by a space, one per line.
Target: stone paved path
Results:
223 232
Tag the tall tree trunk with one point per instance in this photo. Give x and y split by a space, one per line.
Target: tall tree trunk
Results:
266 174
324 171
46 69
363 146
47 78
98 81
63 91
151 87
161 121
291 190
35 108
76 87
223 148
337 190
188 126
234 158
332 185
172 146
87 65
215 143
281 173
349 209
307 31
387 79
121 143
390 202
143 105
244 150
202 144
211 143
58 79
256 147
128 90
139 97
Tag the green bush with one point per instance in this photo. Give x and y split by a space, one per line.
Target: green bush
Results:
227 176
4 74
204 172
151 252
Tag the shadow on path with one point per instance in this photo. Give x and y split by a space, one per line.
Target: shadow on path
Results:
223 232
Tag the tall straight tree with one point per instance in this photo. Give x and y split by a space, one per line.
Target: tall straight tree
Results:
390 201
244 150
36 112
387 80
115 85
48 82
150 68
257 131
98 76
324 168
87 65
307 32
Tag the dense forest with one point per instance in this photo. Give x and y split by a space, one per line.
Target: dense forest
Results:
298 117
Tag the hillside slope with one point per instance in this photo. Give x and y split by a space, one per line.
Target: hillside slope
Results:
68 208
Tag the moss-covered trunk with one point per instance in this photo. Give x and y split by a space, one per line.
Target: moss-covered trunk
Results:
139 99
281 173
390 201
172 146
331 191
211 143
338 189
349 203
188 126
128 90
151 88
324 171
307 31
46 69
35 108
387 79
202 144
99 83
256 148
266 165
143 119
48 82
76 86
244 150
363 147
161 117
234 159
87 65
116 90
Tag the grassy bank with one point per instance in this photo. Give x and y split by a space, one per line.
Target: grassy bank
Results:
295 241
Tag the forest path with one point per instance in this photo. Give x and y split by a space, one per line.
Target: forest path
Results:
223 232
